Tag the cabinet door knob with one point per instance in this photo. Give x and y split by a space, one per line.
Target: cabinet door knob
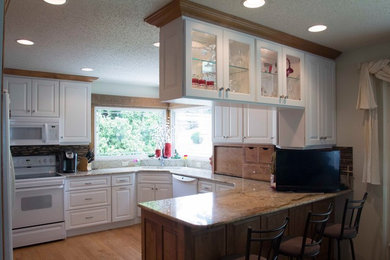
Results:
33 111
28 110
272 137
62 137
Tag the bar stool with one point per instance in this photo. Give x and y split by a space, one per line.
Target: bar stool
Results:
269 243
309 244
347 229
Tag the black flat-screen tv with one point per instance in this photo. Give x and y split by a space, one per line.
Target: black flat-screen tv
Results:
307 170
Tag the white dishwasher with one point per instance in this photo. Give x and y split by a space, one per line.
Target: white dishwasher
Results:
183 186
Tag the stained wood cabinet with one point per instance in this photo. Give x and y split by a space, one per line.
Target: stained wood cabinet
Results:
75 116
236 123
33 97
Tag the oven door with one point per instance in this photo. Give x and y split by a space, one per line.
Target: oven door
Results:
38 205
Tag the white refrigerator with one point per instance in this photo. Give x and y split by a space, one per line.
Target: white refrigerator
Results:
7 182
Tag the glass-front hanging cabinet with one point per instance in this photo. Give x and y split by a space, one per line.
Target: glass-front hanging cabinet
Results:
220 64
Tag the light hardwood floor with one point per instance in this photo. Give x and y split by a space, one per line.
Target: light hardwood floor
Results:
122 243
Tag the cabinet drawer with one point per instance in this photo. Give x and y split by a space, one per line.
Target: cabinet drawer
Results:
256 172
222 187
122 179
251 154
87 217
89 198
205 186
265 153
154 177
87 183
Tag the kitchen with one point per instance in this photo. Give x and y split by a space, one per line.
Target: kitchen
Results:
349 131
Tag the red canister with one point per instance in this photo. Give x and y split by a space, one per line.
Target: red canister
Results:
167 150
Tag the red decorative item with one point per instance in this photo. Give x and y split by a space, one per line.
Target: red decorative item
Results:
289 69
167 150
158 153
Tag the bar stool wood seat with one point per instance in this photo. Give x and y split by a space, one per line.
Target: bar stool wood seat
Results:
349 227
269 241
309 244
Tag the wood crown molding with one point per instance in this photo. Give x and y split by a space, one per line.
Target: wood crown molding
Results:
122 101
50 75
187 8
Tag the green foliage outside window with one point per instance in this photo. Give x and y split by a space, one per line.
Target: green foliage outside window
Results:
127 132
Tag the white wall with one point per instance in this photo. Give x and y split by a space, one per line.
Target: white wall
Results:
369 243
120 89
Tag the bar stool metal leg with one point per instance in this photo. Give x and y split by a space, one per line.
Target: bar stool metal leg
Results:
330 248
338 250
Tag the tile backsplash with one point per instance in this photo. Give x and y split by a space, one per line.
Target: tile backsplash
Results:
81 150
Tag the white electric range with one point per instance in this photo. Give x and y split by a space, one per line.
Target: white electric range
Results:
38 214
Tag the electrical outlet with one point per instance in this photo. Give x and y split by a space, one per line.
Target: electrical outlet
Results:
125 163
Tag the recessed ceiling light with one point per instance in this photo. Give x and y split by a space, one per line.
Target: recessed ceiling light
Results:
55 2
156 44
86 69
253 3
317 28
25 42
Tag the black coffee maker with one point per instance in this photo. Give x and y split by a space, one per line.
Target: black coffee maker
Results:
67 162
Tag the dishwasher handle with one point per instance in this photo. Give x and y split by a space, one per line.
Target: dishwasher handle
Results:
183 178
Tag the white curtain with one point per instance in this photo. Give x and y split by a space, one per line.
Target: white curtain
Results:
367 102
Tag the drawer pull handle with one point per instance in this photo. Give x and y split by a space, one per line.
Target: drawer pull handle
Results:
88 183
88 217
122 180
123 188
88 199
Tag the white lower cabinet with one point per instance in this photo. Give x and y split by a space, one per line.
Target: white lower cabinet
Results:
222 187
96 200
123 198
153 186
210 186
206 186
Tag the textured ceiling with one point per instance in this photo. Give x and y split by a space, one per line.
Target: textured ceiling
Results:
110 35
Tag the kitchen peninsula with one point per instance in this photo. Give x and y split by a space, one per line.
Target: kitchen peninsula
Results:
211 225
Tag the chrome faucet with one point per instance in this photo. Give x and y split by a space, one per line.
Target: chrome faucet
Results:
162 161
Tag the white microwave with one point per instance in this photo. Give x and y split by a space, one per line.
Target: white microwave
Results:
34 132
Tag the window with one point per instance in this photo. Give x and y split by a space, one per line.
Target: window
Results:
127 132
192 131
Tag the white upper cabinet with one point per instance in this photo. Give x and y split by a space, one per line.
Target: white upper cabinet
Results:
259 125
316 125
204 59
33 97
45 98
269 76
239 64
236 123
219 64
75 119
279 72
227 123
320 106
19 90
293 94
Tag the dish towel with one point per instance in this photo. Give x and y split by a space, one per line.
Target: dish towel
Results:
367 102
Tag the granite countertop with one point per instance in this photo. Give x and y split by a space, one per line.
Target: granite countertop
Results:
248 199
185 171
